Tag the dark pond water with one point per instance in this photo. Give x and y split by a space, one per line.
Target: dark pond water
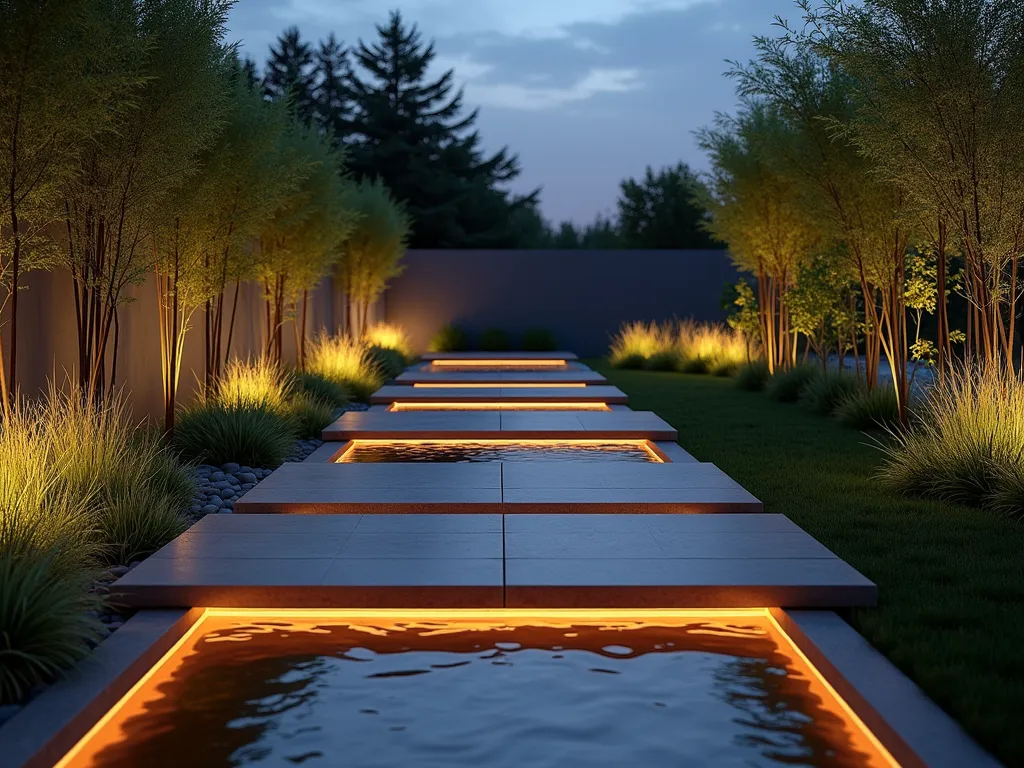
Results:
398 451
279 693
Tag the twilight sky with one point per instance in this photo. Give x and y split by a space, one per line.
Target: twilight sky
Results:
587 92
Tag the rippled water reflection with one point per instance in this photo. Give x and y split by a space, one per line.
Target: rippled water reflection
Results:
461 452
280 693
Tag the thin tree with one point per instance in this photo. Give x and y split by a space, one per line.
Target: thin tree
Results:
56 63
754 211
372 251
940 91
840 188
124 181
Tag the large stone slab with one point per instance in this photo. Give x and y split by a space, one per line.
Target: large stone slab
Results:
489 425
557 561
302 562
408 394
322 488
597 488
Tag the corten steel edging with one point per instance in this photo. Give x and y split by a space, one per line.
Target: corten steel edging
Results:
51 724
909 725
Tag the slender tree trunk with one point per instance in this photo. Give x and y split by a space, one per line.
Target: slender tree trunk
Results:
941 307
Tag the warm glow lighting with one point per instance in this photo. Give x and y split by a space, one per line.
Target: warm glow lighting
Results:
148 686
353 445
502 385
498 406
509 363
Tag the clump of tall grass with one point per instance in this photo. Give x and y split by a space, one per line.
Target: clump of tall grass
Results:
636 342
686 346
258 382
827 392
390 362
966 443
309 415
214 433
81 486
874 409
451 338
323 389
134 491
753 376
710 348
389 336
787 386
347 362
46 611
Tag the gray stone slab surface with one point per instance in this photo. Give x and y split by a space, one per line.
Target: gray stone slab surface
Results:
406 393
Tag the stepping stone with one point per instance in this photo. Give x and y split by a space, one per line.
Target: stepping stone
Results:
678 561
321 488
591 394
490 425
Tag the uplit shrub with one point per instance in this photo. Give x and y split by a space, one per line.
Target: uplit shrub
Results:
309 415
966 442
451 338
322 389
389 336
711 346
539 340
753 377
346 362
256 382
866 410
213 433
494 340
639 341
827 392
787 386
390 362
46 611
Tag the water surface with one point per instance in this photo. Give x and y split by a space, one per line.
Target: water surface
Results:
285 693
398 451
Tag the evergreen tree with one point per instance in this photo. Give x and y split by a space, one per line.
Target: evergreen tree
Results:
660 211
567 236
330 104
409 132
290 75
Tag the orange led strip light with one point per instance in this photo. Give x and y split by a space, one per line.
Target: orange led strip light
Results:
498 406
501 385
509 363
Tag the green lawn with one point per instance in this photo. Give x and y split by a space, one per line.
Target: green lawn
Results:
951 578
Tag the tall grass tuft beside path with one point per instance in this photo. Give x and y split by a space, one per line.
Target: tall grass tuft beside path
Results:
951 578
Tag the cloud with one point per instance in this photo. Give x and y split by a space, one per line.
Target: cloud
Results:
532 97
534 19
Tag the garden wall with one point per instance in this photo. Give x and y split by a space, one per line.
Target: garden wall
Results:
581 296
48 340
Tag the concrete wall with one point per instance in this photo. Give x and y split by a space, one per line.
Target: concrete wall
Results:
581 296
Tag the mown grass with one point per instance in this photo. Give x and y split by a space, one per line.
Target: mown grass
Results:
951 578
